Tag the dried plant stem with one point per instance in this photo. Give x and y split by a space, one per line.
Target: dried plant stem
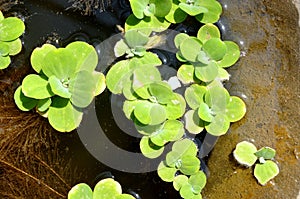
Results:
33 178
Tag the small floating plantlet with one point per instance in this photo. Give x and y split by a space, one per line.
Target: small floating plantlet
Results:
65 84
247 154
11 28
183 159
105 189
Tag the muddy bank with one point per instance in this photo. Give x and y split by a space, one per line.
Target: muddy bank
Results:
267 78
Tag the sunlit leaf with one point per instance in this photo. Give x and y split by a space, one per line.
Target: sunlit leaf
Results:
266 172
34 86
149 149
244 153
24 103
63 116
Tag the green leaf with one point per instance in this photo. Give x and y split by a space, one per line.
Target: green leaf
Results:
185 147
1 16
63 116
148 129
266 172
149 59
206 73
244 153
15 47
235 109
205 113
208 31
179 181
144 76
82 87
192 10
117 76
85 56
176 15
135 38
171 131
218 126
147 24
189 164
193 123
214 11
58 88
203 58
175 107
128 107
129 93
232 54
138 7
38 56
107 188
199 180
186 191
223 75
162 7
44 104
34 86
266 152
186 73
194 95
11 28
217 98
166 173
24 103
180 38
125 196
149 149
161 91
4 62
121 48
80 191
149 113
190 49
215 48
100 85
60 62
4 49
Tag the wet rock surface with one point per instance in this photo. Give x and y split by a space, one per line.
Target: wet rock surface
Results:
267 78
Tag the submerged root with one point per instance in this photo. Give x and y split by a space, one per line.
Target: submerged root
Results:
87 7
33 163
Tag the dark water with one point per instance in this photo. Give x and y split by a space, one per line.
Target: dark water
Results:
266 77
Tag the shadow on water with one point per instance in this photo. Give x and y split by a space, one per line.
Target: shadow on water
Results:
266 77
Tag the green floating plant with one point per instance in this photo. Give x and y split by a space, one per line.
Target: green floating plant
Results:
247 154
205 11
206 56
212 108
155 113
11 28
183 159
132 45
148 15
105 189
65 84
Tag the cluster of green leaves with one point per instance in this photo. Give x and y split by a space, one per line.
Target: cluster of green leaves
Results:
65 84
157 15
247 154
205 56
11 28
183 159
212 108
105 189
150 102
